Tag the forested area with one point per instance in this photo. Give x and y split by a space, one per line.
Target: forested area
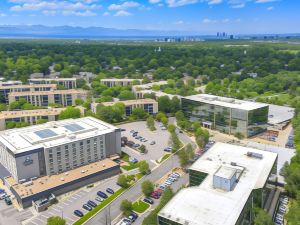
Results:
19 59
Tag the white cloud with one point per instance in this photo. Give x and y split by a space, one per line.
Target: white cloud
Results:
122 13
106 14
225 20
2 14
154 1
179 22
265 1
270 8
238 6
51 7
124 5
207 21
177 3
214 2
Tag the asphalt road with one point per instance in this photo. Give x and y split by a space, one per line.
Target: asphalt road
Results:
133 193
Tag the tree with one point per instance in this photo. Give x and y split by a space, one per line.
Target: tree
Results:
123 181
147 188
2 107
262 218
80 83
139 113
69 113
78 101
179 116
176 144
41 121
126 95
165 121
56 220
164 104
150 123
183 158
144 167
142 148
126 207
171 128
159 116
190 151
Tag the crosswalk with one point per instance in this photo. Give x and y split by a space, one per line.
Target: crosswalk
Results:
58 210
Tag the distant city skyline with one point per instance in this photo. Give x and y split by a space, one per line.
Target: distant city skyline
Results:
198 16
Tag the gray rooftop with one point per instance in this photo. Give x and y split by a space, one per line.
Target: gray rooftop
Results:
226 102
53 133
206 205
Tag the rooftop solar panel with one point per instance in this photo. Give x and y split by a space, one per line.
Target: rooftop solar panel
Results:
46 133
73 127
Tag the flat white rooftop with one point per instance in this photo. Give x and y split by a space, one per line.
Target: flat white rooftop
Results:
206 205
53 133
226 102
280 114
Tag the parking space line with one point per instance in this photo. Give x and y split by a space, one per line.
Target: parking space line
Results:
74 198
69 219
68 200
57 210
46 217
65 203
79 196
32 223
59 206
39 219
53 214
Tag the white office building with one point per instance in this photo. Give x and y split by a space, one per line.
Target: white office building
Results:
226 183
58 146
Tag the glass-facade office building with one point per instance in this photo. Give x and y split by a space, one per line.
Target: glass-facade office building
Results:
227 115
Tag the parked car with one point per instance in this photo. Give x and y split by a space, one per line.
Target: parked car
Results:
127 221
152 143
110 191
168 182
87 207
136 145
148 200
132 131
78 213
102 194
133 160
130 143
134 215
163 128
7 201
99 199
3 196
92 203
2 191
134 134
154 195
123 129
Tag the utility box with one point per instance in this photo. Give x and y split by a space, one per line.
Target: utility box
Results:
225 178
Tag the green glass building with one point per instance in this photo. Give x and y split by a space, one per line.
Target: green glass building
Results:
226 115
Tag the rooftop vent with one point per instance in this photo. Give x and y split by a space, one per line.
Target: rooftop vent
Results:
255 155
62 179
82 171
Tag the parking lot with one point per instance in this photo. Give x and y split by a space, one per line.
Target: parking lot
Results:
156 151
10 215
65 207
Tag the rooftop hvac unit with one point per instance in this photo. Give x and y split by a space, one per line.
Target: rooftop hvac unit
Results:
255 155
72 136
33 178
82 171
28 183
67 174
62 179
103 165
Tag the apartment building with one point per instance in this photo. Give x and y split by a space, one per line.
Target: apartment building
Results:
226 184
226 115
7 89
119 82
69 83
56 147
148 105
31 116
44 98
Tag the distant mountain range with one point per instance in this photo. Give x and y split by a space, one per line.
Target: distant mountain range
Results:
41 31
80 32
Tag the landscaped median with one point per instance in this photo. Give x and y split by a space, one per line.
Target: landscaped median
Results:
165 157
99 207
140 206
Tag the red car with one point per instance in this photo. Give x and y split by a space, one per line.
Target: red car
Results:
160 191
154 195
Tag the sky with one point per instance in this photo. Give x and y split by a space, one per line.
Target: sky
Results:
199 16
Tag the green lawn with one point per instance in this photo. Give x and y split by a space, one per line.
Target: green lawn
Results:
140 206
131 166
162 159
99 207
